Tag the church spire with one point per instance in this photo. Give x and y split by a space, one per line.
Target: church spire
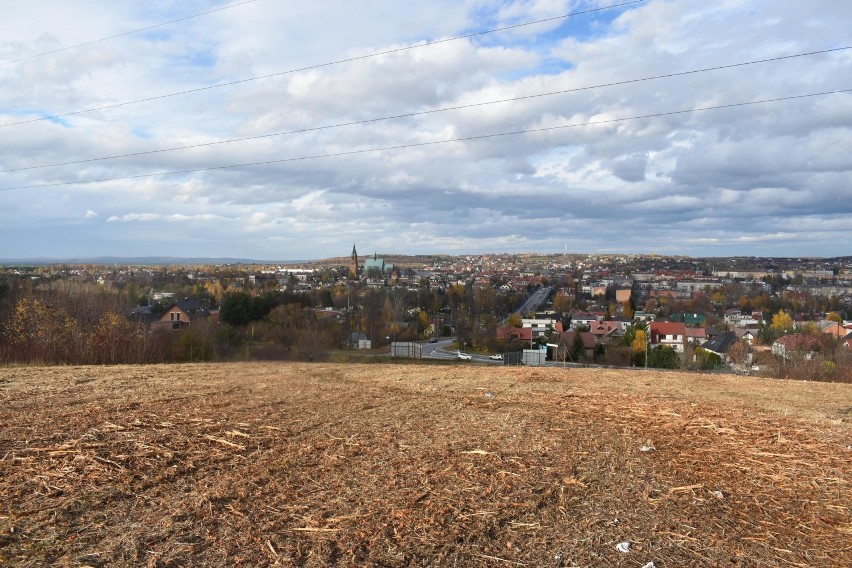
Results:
353 263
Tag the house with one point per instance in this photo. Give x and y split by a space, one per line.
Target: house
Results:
696 320
622 322
796 343
735 318
746 334
358 340
671 334
539 326
584 318
696 335
721 343
606 332
563 345
663 293
181 314
832 328
514 334
143 314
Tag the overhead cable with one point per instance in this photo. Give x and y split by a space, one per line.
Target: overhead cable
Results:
433 143
317 66
424 112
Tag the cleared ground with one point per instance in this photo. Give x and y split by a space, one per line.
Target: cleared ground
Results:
400 465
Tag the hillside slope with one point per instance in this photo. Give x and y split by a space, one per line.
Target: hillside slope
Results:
396 465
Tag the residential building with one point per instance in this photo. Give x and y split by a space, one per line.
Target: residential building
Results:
181 314
667 334
800 343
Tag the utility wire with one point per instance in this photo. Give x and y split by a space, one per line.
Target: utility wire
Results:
431 111
125 33
433 143
318 66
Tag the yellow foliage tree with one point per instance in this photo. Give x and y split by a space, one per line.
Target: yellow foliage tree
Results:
639 342
782 321
514 320
834 316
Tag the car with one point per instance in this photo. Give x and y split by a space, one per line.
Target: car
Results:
433 340
463 356
496 357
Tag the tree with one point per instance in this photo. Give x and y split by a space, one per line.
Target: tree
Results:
562 303
835 317
514 320
578 350
422 322
781 322
640 341
739 353
663 358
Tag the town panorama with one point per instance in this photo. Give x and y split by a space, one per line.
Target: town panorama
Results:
772 316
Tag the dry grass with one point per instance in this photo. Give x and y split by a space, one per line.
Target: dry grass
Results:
327 465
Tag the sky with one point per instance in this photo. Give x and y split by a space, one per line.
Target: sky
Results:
352 140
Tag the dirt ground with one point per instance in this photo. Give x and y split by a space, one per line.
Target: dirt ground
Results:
404 465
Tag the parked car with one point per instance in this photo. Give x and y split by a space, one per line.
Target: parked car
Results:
433 340
463 356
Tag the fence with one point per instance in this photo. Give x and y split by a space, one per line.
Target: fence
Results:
408 349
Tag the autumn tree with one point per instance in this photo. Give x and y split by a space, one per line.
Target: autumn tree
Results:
835 317
639 346
562 303
782 322
514 320
739 353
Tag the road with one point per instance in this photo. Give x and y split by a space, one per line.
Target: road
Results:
439 350
532 303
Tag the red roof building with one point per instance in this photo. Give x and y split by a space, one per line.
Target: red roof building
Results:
671 334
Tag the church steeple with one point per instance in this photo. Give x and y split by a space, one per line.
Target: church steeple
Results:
353 263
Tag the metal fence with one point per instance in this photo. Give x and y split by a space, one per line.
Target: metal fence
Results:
534 357
408 349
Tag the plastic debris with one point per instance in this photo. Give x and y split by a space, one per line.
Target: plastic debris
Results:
718 494
489 394
646 448
650 565
623 547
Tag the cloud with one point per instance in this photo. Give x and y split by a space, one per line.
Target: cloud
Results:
754 179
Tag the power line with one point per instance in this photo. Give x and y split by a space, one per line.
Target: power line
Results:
433 143
318 66
126 33
424 112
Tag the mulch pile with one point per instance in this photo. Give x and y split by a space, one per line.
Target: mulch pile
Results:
327 465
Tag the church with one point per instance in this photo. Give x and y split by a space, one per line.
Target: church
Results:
384 268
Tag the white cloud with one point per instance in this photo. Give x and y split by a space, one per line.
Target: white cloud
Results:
748 180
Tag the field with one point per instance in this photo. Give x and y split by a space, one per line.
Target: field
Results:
404 465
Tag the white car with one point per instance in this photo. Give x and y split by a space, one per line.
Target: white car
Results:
496 357
463 356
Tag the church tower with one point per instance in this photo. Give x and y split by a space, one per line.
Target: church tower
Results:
353 263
